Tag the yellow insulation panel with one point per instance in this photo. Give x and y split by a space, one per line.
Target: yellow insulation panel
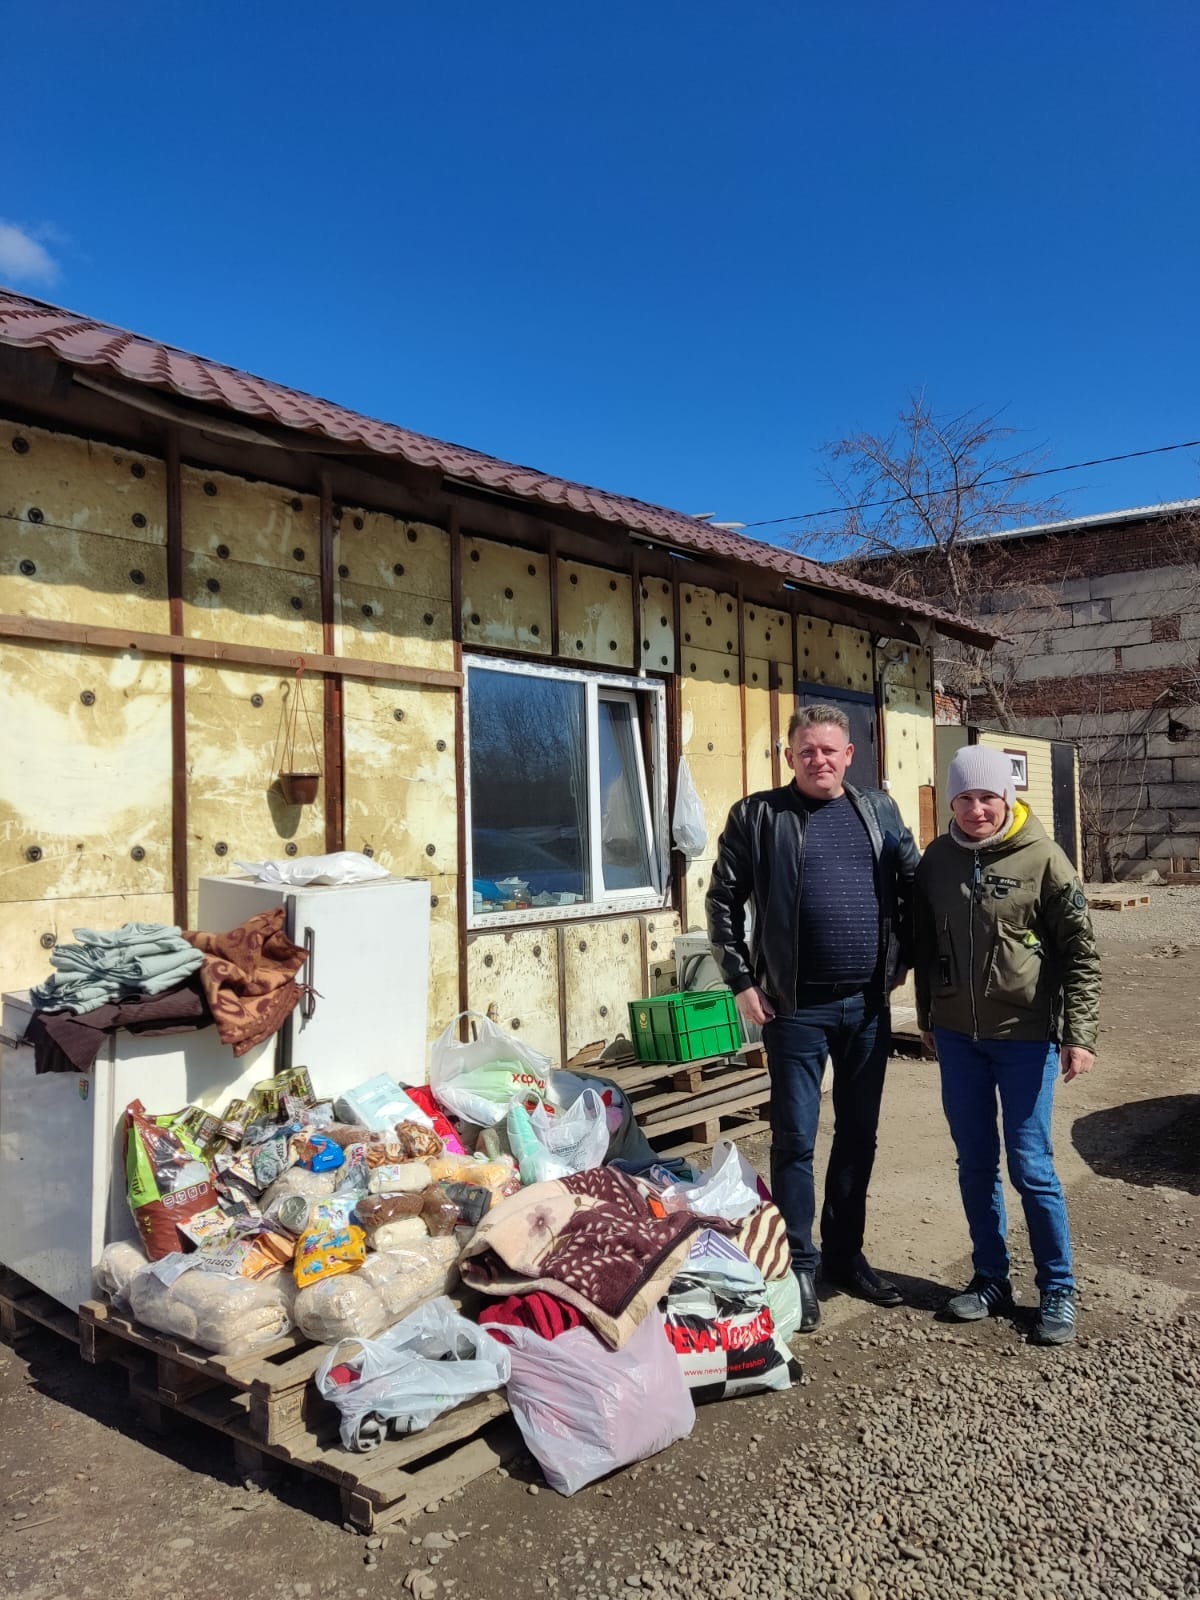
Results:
233 750
83 577
829 653
517 972
392 591
708 621
699 875
443 953
251 604
658 627
768 634
260 524
661 928
385 552
85 774
28 926
908 733
759 766
603 972
595 615
68 484
400 785
506 597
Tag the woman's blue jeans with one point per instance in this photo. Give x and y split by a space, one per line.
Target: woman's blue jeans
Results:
1020 1076
854 1031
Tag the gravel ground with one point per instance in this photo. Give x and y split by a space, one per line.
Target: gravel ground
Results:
1172 917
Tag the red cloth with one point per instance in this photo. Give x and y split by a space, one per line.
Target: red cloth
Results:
422 1096
541 1312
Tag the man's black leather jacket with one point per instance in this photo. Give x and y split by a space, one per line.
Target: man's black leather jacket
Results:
760 857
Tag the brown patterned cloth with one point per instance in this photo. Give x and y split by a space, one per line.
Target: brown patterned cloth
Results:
591 1240
249 978
66 1041
762 1237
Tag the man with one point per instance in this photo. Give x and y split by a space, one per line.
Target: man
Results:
828 869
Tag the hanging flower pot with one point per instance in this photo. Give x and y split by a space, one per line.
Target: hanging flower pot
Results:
299 788
299 771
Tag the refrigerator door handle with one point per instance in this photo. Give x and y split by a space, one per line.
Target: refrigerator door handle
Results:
308 997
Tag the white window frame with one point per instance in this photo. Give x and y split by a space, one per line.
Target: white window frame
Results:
597 686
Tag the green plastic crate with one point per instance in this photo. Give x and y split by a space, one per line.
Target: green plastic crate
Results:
684 1027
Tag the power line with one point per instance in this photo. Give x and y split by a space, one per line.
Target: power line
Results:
983 483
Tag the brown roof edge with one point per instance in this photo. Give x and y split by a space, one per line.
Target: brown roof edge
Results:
81 341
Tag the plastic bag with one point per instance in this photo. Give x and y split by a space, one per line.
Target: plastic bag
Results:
783 1297
379 1103
343 866
400 1177
462 1083
559 1145
229 1316
689 831
405 1379
387 1287
115 1271
585 1410
725 1347
167 1180
730 1188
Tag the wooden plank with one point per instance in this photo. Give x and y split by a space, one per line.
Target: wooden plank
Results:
43 630
746 1130
686 1109
1100 902
23 1306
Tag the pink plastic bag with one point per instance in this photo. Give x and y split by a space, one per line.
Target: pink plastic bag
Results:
585 1410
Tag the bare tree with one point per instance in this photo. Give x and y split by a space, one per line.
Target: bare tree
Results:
916 500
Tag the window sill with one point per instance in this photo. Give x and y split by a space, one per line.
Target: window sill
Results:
591 912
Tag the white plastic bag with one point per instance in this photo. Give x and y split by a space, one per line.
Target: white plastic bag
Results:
430 1362
688 828
379 1103
729 1189
460 1078
230 1316
558 1144
343 866
585 1410
389 1284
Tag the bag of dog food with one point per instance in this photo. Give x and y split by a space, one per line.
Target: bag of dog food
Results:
167 1179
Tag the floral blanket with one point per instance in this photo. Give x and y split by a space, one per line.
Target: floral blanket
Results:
592 1240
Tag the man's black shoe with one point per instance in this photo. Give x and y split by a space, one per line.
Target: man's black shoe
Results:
810 1306
858 1279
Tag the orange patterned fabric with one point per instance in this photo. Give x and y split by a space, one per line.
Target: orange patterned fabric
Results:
249 978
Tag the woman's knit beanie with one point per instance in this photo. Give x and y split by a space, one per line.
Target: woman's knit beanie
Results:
977 766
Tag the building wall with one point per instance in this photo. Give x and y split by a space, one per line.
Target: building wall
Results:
1113 666
92 787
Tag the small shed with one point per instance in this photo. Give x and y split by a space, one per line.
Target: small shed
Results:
502 670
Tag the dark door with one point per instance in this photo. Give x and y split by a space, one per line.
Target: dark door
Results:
860 710
1062 783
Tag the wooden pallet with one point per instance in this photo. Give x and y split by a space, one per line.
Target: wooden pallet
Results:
24 1310
700 1099
1124 902
269 1408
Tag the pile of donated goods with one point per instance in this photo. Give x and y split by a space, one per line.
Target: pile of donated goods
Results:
615 1290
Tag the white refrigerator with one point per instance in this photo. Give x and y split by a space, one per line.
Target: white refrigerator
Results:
62 1167
367 973
62 1171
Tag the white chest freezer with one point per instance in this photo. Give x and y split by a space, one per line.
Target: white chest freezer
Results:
367 968
62 1173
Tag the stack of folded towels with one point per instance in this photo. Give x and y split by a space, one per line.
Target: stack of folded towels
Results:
131 962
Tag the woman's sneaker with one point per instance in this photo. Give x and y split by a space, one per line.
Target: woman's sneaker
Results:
983 1297
1056 1318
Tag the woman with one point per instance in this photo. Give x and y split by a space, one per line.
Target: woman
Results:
1006 973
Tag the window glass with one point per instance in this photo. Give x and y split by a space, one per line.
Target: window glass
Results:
529 791
625 845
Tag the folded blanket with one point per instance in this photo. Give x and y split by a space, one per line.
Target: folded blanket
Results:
590 1240
249 978
67 1041
108 966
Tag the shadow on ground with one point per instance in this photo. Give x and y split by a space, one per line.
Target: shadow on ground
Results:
1155 1143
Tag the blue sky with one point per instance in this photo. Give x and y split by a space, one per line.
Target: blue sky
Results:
667 249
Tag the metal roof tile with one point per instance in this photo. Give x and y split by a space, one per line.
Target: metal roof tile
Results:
34 324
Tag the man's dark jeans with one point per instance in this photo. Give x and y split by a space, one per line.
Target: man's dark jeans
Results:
854 1030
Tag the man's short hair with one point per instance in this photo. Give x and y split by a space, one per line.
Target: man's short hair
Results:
818 717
